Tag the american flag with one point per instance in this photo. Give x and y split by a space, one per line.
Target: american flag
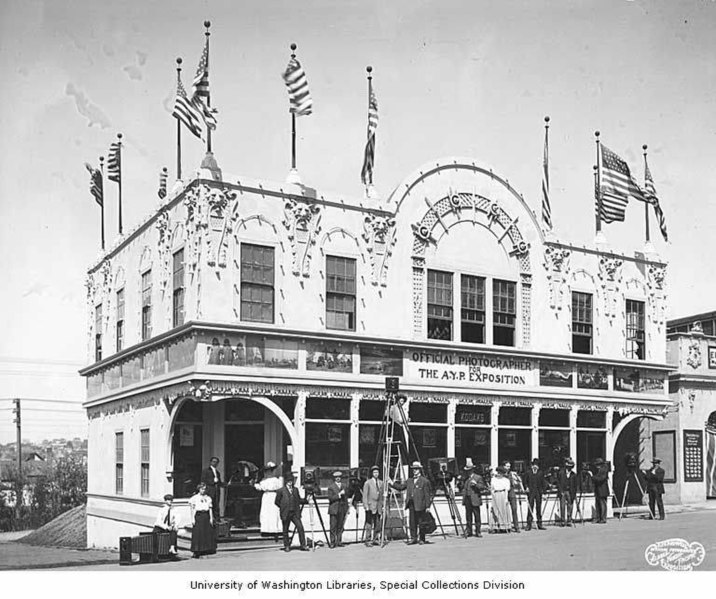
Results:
96 184
617 185
162 193
366 174
650 196
301 103
546 208
114 162
200 90
186 112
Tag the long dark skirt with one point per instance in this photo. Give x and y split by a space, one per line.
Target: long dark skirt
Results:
203 536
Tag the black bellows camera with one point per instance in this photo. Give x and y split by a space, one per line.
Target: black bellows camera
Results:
631 461
442 469
357 479
392 384
309 479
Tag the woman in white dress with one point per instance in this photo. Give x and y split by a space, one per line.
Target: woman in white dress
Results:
269 517
500 487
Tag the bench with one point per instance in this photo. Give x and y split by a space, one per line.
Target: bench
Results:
151 547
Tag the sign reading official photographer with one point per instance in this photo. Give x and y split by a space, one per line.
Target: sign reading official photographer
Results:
470 370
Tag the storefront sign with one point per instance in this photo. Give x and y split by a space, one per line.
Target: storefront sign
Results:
712 356
693 456
473 370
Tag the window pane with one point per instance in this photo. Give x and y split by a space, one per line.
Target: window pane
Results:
340 293
328 408
427 412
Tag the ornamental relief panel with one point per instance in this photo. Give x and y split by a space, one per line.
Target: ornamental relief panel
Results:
303 223
379 236
656 293
557 263
610 277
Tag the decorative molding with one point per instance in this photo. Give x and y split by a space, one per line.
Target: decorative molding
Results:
303 223
656 276
610 276
418 294
526 292
693 358
557 263
379 234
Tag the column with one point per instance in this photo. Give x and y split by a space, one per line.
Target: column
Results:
355 407
299 418
610 456
451 409
494 415
537 406
418 297
573 433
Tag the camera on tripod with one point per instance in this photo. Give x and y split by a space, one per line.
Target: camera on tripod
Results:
309 480
442 470
356 480
631 461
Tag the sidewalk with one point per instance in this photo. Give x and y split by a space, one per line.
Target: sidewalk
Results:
19 556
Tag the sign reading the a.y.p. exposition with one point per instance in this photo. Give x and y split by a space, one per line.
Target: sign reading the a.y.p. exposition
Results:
470 370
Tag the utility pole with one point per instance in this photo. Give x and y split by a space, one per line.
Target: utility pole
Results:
18 481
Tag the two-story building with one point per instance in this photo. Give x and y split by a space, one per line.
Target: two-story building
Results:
255 320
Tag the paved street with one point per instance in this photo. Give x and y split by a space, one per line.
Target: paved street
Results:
614 546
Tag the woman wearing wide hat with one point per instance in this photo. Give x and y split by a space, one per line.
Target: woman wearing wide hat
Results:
270 518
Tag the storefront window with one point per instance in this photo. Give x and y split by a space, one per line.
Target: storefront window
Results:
428 426
371 414
328 408
514 444
515 416
554 417
591 444
328 447
472 442
591 419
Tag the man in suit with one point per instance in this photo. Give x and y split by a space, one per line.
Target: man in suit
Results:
567 491
655 488
471 498
373 504
515 486
536 485
211 477
289 504
601 490
418 498
337 508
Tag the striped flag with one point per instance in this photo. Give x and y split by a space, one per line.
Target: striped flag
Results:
299 97
162 192
114 162
96 184
651 198
710 459
186 112
546 208
617 185
200 90
369 153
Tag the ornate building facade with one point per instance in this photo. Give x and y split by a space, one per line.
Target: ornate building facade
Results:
256 321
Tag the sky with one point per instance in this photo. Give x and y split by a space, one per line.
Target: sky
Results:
468 78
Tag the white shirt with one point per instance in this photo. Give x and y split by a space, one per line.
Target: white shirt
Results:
161 520
200 503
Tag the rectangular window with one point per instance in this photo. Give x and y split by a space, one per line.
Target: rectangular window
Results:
146 305
340 293
439 305
120 319
119 463
144 459
98 333
504 312
635 333
257 283
472 304
581 322
178 286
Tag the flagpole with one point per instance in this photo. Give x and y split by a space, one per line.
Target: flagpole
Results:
545 166
369 69
293 123
179 61
101 170
599 184
119 155
207 24
646 204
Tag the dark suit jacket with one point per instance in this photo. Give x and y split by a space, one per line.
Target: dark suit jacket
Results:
601 482
419 493
337 505
207 477
535 482
474 485
655 480
284 503
567 481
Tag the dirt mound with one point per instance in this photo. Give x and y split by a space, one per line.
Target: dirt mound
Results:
67 530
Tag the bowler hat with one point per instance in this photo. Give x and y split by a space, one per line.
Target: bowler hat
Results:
598 462
535 462
656 461
168 497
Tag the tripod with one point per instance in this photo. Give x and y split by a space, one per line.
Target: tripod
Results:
454 511
623 507
311 496
583 477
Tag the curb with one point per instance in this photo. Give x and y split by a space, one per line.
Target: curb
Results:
97 562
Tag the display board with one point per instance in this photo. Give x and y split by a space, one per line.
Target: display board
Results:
693 456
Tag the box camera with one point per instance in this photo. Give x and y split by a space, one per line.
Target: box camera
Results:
309 479
392 384
442 469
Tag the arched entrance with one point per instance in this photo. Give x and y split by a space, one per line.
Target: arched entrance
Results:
711 456
244 432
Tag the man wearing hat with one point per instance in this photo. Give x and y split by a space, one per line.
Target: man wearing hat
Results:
655 487
536 485
167 522
288 501
601 490
373 504
418 498
471 498
337 507
566 491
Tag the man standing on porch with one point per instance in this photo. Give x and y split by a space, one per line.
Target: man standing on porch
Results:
211 477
